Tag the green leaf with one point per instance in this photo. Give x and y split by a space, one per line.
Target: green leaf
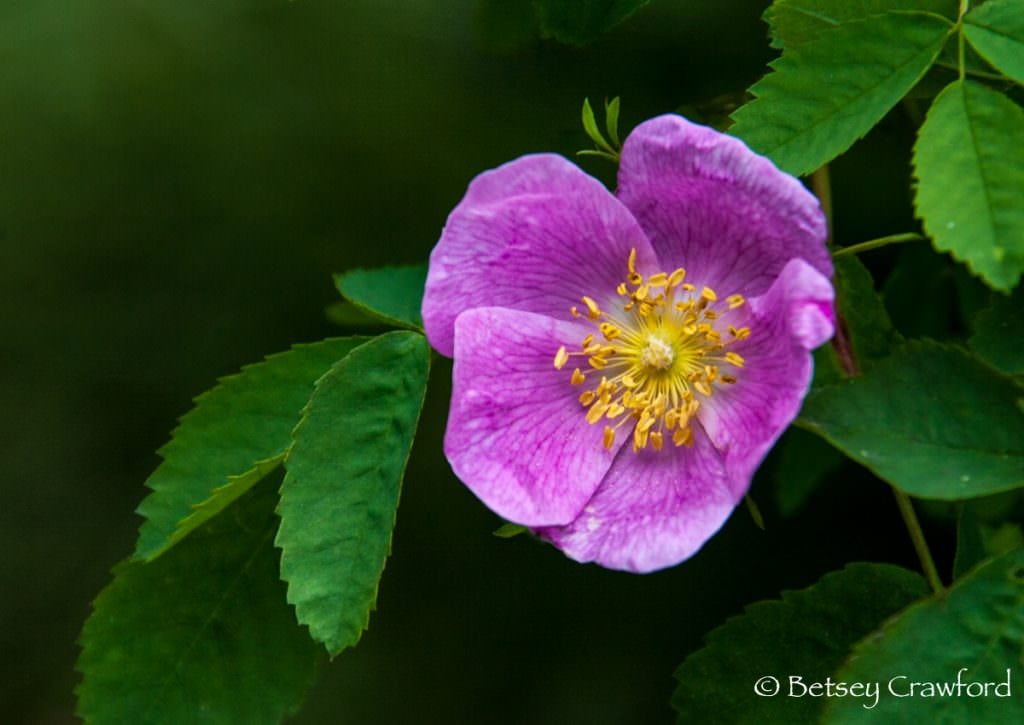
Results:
868 327
807 634
929 419
996 30
508 531
391 294
825 94
582 21
793 22
969 163
999 333
592 129
201 634
804 462
978 625
236 433
344 474
924 292
611 120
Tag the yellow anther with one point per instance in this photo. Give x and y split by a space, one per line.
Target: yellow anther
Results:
646 423
615 410
596 412
593 311
710 373
728 379
734 359
671 418
598 363
734 301
743 333
702 387
688 287
631 262
644 309
609 437
676 278
561 358
591 348
641 294
621 289
639 439
574 311
577 377
628 381
587 397
709 294
656 440
710 315
683 437
607 350
634 278
658 280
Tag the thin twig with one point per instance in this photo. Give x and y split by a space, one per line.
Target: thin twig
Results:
917 536
876 243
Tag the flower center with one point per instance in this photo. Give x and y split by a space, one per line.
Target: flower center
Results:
662 347
657 354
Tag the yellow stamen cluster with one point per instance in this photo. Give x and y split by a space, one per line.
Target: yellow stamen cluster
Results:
661 349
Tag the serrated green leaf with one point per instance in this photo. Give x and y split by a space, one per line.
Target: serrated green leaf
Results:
930 419
806 634
969 164
999 333
582 21
393 295
804 462
344 474
824 94
978 625
793 22
233 436
203 634
996 30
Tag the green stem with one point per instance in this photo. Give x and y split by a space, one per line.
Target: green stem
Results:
961 66
876 243
917 536
975 73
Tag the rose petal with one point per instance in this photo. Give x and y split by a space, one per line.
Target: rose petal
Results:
535 234
711 205
653 510
517 435
743 420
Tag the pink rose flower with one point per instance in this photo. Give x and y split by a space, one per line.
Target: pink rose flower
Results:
622 364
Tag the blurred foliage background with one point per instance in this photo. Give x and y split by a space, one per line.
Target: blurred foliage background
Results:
179 181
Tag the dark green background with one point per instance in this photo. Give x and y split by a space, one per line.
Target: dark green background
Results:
178 181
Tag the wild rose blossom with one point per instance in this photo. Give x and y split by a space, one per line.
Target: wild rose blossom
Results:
622 364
